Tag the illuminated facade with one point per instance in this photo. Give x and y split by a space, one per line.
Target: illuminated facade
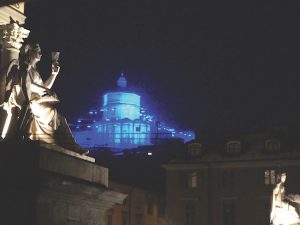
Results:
231 181
123 124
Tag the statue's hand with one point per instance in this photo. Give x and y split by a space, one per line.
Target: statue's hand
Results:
55 69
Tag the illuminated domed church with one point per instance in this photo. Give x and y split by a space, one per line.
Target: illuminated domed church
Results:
123 123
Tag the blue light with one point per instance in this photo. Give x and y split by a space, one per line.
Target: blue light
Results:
121 98
124 123
105 100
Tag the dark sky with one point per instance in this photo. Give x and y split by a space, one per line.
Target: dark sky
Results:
213 66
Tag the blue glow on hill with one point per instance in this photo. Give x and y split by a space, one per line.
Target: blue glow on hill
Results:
124 123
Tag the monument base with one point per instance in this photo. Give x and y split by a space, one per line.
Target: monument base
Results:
48 185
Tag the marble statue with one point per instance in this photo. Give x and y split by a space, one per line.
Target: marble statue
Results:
38 118
282 210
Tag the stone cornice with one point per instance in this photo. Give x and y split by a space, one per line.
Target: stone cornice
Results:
232 164
10 11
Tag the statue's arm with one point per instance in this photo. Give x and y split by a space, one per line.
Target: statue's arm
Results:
35 85
49 83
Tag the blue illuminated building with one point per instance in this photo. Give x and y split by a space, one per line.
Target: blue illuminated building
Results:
122 123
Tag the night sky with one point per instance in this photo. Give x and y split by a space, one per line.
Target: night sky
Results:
216 67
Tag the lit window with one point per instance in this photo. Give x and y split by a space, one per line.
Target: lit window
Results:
233 147
192 180
272 145
270 177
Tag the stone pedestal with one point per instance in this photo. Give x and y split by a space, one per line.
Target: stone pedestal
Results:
43 185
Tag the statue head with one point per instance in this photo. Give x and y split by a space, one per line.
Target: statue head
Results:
281 177
31 52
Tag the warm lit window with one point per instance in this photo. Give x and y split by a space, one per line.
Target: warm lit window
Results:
272 145
270 177
233 147
192 180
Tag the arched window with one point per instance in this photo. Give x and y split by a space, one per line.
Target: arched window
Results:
194 149
272 145
233 147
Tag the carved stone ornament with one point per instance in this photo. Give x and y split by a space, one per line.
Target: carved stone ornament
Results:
12 35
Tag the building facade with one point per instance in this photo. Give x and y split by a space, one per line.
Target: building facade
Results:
231 183
141 207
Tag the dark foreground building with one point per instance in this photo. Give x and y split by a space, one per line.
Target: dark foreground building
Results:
141 207
231 182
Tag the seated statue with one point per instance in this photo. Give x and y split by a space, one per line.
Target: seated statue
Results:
39 119
282 211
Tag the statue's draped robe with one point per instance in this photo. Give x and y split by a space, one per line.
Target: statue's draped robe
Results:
44 115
